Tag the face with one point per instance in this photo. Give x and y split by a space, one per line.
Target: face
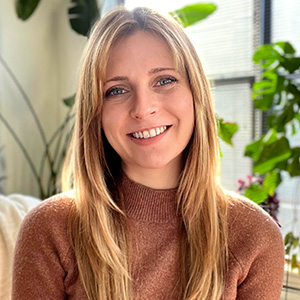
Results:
148 115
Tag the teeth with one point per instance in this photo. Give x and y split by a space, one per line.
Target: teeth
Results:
146 134
152 132
149 134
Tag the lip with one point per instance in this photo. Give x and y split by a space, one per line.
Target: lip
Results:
148 129
149 141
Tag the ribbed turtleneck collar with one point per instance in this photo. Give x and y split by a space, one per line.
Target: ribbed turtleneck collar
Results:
146 204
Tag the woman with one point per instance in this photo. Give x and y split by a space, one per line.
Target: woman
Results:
147 219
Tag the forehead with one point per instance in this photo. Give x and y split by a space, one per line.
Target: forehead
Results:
140 50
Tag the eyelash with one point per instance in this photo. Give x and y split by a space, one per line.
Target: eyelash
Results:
113 89
167 80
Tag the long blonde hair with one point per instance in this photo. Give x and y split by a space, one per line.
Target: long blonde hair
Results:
97 224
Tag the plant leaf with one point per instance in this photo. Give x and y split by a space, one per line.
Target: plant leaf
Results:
296 242
69 101
291 64
286 47
288 238
254 149
264 103
272 154
266 86
190 14
280 121
294 165
266 56
256 193
294 263
272 180
25 8
226 130
82 15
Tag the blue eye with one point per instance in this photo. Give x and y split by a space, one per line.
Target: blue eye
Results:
115 91
166 81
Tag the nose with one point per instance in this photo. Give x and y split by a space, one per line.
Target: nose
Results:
144 105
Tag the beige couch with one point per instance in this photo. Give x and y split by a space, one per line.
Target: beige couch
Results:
13 209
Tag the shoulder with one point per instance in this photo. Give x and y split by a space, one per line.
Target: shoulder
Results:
244 214
51 210
48 221
251 231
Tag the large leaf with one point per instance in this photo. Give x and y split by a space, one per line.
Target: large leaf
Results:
264 102
295 91
267 56
291 64
286 47
25 8
226 130
266 86
272 180
294 164
256 193
193 13
254 149
272 154
82 15
282 118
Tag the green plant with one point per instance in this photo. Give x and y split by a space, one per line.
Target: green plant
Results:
82 14
278 96
249 188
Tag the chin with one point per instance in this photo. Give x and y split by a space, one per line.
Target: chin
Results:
158 163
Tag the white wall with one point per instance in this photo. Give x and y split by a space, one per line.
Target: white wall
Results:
224 40
285 27
44 54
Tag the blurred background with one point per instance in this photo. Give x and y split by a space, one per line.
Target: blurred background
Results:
40 59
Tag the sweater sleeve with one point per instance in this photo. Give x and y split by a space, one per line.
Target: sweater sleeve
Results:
38 269
257 245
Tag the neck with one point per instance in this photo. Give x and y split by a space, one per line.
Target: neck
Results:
163 178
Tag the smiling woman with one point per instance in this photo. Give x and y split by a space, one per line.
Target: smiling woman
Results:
148 113
147 218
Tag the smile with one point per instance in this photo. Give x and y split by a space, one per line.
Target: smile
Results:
146 134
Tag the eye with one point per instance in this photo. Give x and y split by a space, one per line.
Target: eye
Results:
114 91
166 81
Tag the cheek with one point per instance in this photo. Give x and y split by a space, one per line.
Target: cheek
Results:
109 117
107 123
186 107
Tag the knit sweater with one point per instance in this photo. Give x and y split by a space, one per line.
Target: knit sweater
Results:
45 265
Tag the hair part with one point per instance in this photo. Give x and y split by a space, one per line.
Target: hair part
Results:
97 229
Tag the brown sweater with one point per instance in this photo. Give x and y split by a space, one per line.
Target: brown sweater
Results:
45 266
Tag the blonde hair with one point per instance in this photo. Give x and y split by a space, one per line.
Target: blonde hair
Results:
97 223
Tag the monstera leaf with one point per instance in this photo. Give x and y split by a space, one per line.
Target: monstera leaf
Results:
190 14
25 8
82 15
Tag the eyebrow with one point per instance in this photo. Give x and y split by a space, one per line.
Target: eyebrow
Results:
157 70
117 78
151 72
